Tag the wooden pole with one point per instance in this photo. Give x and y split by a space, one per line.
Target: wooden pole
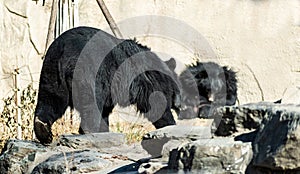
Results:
112 24
50 35
17 102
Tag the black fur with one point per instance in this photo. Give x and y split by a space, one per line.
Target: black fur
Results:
205 85
73 75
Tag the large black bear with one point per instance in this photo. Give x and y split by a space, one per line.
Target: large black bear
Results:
90 70
206 86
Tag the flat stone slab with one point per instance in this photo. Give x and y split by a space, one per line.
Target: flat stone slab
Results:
20 156
154 141
75 162
94 140
179 132
195 122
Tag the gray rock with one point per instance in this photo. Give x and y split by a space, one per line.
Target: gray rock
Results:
242 118
275 139
218 155
84 161
66 155
154 141
17 156
277 142
94 140
105 142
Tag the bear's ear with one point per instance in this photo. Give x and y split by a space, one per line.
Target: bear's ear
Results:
171 63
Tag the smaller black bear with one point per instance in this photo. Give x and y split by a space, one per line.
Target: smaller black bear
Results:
90 70
206 86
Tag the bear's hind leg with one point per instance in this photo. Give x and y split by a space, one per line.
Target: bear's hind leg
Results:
104 125
167 119
90 121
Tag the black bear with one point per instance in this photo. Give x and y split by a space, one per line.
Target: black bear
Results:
206 86
92 71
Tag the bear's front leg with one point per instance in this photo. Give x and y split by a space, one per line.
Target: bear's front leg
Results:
42 131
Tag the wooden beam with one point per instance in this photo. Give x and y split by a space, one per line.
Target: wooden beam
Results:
112 24
50 35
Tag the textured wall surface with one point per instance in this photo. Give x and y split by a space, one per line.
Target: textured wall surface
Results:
258 39
23 30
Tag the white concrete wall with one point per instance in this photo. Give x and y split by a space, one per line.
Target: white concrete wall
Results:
258 39
23 29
